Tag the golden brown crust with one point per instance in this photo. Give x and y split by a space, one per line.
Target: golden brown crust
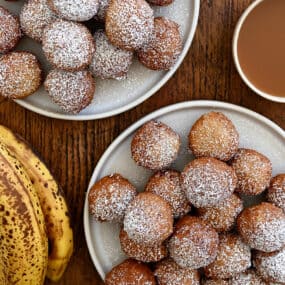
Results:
168 272
215 282
262 227
130 272
109 198
214 135
249 277
167 185
141 251
10 32
160 2
253 170
164 48
194 243
148 219
233 257
223 216
20 74
129 23
276 191
155 145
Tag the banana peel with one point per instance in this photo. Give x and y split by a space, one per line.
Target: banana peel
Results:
24 243
52 202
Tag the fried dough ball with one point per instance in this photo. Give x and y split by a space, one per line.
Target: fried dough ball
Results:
271 266
75 10
20 74
276 191
130 272
263 227
215 282
68 46
164 48
160 2
129 23
167 185
234 257
140 251
10 32
168 272
148 219
208 181
194 243
223 216
34 17
253 171
72 91
109 198
109 61
155 145
247 278
214 135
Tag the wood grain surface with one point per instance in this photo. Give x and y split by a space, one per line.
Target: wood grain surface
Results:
72 149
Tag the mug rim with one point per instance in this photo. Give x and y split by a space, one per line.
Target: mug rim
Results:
237 30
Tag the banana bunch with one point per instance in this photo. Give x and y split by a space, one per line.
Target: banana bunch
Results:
36 239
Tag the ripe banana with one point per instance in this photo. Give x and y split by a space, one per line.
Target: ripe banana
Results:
53 204
23 239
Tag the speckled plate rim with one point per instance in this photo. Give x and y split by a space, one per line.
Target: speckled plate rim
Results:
152 91
163 111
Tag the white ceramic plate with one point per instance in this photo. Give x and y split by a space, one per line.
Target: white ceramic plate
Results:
113 97
255 131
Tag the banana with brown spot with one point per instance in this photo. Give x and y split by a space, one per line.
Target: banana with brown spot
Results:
23 238
53 204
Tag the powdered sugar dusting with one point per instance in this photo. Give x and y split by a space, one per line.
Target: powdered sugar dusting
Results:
167 185
234 256
213 134
129 23
109 61
103 6
271 266
194 243
208 182
263 227
168 272
110 197
215 282
72 91
247 278
20 74
276 191
34 17
148 219
165 46
130 272
155 145
223 216
140 251
9 30
68 45
75 10
253 170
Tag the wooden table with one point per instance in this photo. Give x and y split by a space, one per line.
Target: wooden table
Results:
72 149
